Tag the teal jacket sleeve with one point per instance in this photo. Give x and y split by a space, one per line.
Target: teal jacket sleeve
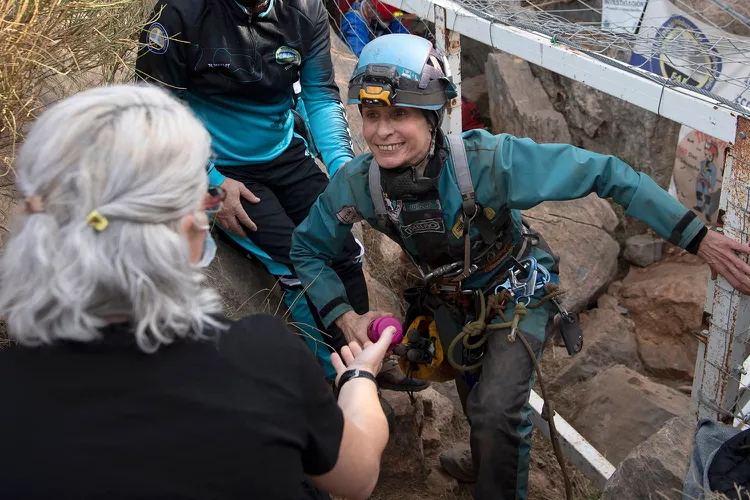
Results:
319 238
532 173
320 93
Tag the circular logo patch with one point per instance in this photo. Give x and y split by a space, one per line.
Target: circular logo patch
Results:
158 40
287 55
698 64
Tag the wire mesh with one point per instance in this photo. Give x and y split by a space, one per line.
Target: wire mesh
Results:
715 57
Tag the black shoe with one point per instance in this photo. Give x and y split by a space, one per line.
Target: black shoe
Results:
391 378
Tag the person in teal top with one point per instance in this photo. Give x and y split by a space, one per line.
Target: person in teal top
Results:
453 204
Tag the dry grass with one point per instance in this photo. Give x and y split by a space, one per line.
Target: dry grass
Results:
50 49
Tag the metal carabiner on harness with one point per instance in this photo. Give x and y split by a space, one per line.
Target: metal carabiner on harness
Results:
522 289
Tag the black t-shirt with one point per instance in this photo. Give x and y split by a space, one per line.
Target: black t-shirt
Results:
244 416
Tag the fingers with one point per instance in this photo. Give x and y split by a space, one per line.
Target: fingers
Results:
384 342
355 349
246 221
248 195
346 354
735 270
337 363
231 224
734 275
739 247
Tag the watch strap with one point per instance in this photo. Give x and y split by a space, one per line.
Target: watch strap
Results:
352 374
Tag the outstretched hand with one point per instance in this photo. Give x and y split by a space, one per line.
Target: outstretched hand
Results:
368 358
720 253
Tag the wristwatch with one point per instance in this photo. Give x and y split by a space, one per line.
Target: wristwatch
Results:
355 373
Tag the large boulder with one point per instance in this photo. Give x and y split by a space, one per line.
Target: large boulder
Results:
383 299
621 408
473 57
475 90
421 431
608 339
666 302
518 103
403 458
244 285
655 468
578 232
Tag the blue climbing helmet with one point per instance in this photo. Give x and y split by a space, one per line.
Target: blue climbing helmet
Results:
401 70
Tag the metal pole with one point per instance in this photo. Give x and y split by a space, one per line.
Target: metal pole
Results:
724 346
449 42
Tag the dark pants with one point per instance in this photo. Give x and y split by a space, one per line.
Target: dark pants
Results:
287 187
497 407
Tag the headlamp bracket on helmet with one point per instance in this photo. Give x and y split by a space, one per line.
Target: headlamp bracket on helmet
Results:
379 84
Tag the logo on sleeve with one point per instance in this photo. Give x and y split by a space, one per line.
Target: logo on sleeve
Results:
348 215
288 57
158 40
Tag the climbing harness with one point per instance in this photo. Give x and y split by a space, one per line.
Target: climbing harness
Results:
421 347
424 226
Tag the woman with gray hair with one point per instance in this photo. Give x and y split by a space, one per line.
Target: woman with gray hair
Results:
127 382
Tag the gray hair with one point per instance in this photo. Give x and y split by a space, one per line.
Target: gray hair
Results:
137 156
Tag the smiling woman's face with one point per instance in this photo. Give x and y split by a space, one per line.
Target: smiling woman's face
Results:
396 136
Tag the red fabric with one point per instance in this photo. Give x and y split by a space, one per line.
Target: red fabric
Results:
469 116
386 11
343 6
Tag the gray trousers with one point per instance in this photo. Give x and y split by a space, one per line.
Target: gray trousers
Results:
497 407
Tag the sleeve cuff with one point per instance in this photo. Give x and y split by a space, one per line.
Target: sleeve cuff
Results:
695 243
214 176
333 310
336 165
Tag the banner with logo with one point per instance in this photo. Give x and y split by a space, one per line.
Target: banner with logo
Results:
622 16
699 162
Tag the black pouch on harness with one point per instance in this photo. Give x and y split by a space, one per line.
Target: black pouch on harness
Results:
431 325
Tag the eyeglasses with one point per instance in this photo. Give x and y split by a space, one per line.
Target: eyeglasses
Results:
215 197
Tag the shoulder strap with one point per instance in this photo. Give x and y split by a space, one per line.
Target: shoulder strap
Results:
376 191
463 175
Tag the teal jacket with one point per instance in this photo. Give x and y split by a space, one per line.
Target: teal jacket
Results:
507 172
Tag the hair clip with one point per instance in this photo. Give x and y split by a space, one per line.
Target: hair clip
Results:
97 220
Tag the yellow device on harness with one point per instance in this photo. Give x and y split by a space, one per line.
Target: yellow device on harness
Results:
423 356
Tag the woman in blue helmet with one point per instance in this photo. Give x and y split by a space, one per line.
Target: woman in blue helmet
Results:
420 188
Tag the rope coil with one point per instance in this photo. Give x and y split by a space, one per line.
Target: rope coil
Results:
480 329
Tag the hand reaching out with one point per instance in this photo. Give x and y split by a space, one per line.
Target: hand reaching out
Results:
721 254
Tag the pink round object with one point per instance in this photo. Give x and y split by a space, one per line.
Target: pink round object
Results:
376 329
